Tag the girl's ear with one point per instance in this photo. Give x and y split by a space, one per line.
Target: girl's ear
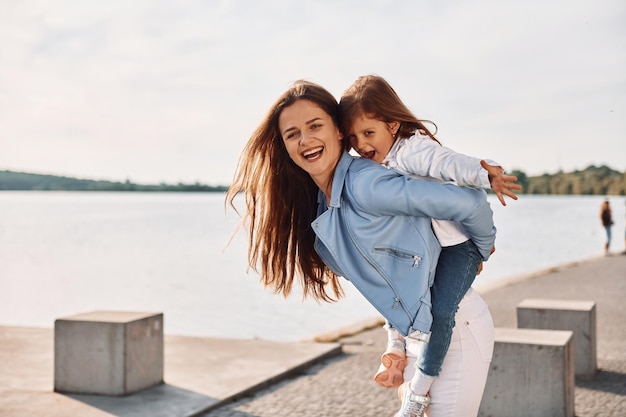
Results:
394 126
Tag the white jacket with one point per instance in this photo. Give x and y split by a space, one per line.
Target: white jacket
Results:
421 157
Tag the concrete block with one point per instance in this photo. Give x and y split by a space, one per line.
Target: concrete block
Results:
531 374
577 316
108 352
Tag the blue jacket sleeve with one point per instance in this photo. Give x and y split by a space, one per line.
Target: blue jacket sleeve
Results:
384 192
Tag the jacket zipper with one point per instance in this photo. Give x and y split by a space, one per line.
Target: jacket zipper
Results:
403 255
397 300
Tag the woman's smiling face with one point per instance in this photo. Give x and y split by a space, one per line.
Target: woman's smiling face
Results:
312 139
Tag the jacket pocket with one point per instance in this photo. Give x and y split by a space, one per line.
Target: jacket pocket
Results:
400 254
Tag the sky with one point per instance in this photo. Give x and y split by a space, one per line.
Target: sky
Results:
170 91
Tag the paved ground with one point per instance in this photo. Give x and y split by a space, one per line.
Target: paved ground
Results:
343 385
255 378
199 374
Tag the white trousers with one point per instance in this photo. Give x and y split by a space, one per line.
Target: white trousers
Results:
458 390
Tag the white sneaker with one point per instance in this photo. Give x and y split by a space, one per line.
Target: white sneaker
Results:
413 405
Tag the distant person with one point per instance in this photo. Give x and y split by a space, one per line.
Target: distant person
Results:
607 221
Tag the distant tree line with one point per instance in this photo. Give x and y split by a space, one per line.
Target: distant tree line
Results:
10 180
592 180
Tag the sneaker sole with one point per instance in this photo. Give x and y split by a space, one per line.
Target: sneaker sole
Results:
391 374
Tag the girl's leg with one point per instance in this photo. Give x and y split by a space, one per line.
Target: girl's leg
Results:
458 390
456 270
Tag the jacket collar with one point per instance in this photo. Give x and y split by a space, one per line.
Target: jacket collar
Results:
390 159
341 170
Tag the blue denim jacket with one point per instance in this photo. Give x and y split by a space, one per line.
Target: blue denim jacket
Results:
377 234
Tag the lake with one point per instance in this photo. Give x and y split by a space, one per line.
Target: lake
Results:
64 253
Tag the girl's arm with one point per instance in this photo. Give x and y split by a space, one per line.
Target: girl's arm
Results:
424 157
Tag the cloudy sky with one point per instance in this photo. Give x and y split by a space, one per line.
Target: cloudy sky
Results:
169 91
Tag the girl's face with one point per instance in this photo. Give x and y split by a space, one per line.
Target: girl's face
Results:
312 139
372 138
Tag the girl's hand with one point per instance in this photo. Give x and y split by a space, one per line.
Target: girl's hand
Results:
501 183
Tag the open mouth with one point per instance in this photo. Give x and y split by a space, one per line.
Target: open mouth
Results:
313 154
368 155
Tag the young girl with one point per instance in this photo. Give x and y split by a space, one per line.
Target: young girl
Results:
380 127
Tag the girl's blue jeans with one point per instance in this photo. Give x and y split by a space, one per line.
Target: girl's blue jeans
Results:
456 270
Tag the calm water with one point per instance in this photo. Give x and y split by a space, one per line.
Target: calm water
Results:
65 253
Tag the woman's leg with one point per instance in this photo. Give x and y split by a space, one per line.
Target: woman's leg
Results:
608 239
458 390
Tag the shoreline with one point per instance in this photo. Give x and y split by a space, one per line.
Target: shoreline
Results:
368 323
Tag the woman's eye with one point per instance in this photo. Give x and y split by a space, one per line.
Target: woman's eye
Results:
291 135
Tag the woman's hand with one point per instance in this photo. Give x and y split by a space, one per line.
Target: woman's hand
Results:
501 183
480 265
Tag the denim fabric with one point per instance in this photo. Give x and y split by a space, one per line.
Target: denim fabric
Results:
607 229
456 270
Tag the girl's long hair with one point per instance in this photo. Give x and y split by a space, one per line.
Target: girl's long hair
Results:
372 96
281 203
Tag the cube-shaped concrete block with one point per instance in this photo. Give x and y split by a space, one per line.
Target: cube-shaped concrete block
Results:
531 374
108 352
577 316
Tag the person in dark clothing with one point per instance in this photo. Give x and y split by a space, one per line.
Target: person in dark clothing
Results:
606 218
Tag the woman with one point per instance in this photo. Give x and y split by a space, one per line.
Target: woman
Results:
316 213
